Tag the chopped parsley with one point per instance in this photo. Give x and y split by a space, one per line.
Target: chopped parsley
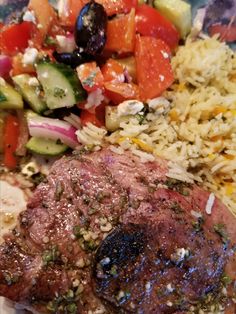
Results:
2 97
197 225
178 186
65 303
10 278
221 231
59 92
51 255
49 41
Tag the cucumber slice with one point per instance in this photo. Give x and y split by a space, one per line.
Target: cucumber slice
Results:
29 92
178 12
44 146
9 97
61 85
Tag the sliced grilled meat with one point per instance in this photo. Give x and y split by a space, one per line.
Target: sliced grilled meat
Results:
49 261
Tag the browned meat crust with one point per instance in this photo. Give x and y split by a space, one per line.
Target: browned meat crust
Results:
47 261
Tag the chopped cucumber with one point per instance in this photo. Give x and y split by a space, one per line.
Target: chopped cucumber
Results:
178 12
30 92
61 85
44 146
9 97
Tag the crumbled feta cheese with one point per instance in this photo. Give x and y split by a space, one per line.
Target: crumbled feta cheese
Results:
148 286
94 99
169 288
129 107
120 295
168 303
165 54
105 261
196 214
65 44
160 105
39 26
2 81
210 203
30 56
162 78
106 228
180 254
30 169
63 8
29 17
33 81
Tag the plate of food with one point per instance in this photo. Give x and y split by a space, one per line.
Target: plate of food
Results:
117 157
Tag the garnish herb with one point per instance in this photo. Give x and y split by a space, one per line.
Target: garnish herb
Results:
2 97
178 186
49 41
176 208
59 92
10 278
59 190
225 279
197 225
51 255
221 231
65 303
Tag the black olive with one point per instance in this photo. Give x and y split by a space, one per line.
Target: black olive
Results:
73 59
90 28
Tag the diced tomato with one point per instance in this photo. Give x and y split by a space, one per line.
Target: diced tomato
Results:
227 33
118 92
154 72
149 22
121 33
11 133
18 67
90 76
113 71
14 37
129 66
23 133
45 17
113 7
96 118
68 14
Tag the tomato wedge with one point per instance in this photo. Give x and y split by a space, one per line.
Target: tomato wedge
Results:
121 33
96 118
14 37
113 71
119 92
113 7
18 67
149 22
69 13
154 72
45 16
11 133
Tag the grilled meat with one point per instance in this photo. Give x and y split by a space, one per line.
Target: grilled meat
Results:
107 233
